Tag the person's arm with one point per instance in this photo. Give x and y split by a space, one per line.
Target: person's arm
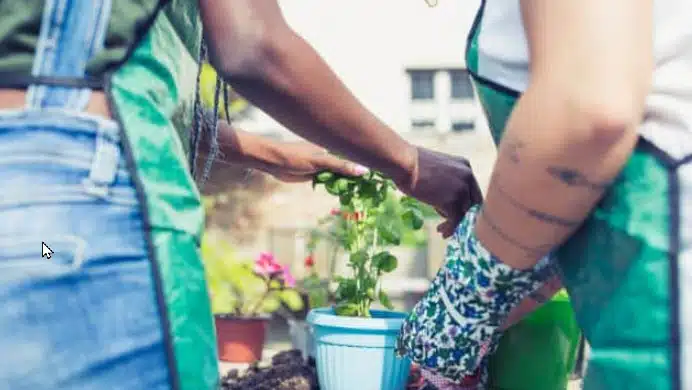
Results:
287 161
253 48
575 126
531 303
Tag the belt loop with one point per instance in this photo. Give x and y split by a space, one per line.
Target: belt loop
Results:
104 166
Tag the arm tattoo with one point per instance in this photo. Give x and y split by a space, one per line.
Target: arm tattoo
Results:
538 251
539 215
513 150
570 177
573 178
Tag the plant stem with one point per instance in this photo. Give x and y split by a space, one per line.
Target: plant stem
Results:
257 304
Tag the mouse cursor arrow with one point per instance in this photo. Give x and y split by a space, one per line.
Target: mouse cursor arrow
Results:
46 251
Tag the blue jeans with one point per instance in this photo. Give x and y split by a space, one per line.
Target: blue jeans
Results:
87 318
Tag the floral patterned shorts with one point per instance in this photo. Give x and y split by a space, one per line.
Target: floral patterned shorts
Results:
457 322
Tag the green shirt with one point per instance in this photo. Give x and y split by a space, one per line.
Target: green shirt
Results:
20 24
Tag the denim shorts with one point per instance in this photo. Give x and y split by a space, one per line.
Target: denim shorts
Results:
87 317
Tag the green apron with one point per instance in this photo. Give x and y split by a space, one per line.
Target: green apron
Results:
156 82
621 268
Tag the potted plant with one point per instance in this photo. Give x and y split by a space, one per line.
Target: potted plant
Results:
243 296
355 343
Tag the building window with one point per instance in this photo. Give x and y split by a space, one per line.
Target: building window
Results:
422 84
461 126
460 85
422 124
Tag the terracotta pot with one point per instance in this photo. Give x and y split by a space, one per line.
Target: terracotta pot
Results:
239 339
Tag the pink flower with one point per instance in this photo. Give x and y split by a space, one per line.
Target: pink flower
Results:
266 265
289 280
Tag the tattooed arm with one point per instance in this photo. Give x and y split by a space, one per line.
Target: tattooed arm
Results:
574 127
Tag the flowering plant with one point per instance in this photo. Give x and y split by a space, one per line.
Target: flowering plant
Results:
364 229
245 288
315 288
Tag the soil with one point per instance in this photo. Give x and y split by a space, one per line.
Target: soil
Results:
290 371
286 371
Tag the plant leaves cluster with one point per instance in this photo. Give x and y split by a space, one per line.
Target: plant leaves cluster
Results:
366 231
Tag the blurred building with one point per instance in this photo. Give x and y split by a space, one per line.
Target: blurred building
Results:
403 59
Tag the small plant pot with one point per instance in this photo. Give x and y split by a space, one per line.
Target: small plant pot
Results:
302 337
239 339
358 353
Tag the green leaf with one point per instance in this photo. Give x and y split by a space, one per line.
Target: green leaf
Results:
270 305
292 300
408 201
358 258
222 302
341 185
413 217
368 190
331 187
346 309
318 298
385 301
347 290
390 234
274 284
323 177
369 282
370 293
385 262
345 198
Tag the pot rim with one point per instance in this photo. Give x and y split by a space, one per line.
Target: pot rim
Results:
382 320
260 317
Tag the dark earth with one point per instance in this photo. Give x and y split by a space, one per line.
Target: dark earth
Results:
290 371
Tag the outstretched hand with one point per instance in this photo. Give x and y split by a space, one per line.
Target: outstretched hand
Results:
445 182
301 161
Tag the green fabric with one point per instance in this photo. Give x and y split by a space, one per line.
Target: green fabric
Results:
616 268
497 108
472 47
157 80
539 352
20 23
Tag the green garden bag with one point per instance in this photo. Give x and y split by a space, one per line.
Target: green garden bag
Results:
539 352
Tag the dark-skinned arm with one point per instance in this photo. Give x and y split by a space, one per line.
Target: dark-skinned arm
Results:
574 128
287 161
254 49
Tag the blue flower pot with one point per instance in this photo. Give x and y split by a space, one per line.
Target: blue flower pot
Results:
358 353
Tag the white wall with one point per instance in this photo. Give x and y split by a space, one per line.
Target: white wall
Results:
370 43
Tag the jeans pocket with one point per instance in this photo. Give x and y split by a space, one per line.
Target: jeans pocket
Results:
25 258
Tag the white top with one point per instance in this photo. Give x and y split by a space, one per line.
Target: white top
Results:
503 58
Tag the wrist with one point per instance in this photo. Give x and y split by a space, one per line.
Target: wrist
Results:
264 154
404 169
247 149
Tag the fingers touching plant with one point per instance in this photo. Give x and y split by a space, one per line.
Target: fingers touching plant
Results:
366 231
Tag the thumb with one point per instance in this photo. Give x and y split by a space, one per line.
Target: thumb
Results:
344 167
446 228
